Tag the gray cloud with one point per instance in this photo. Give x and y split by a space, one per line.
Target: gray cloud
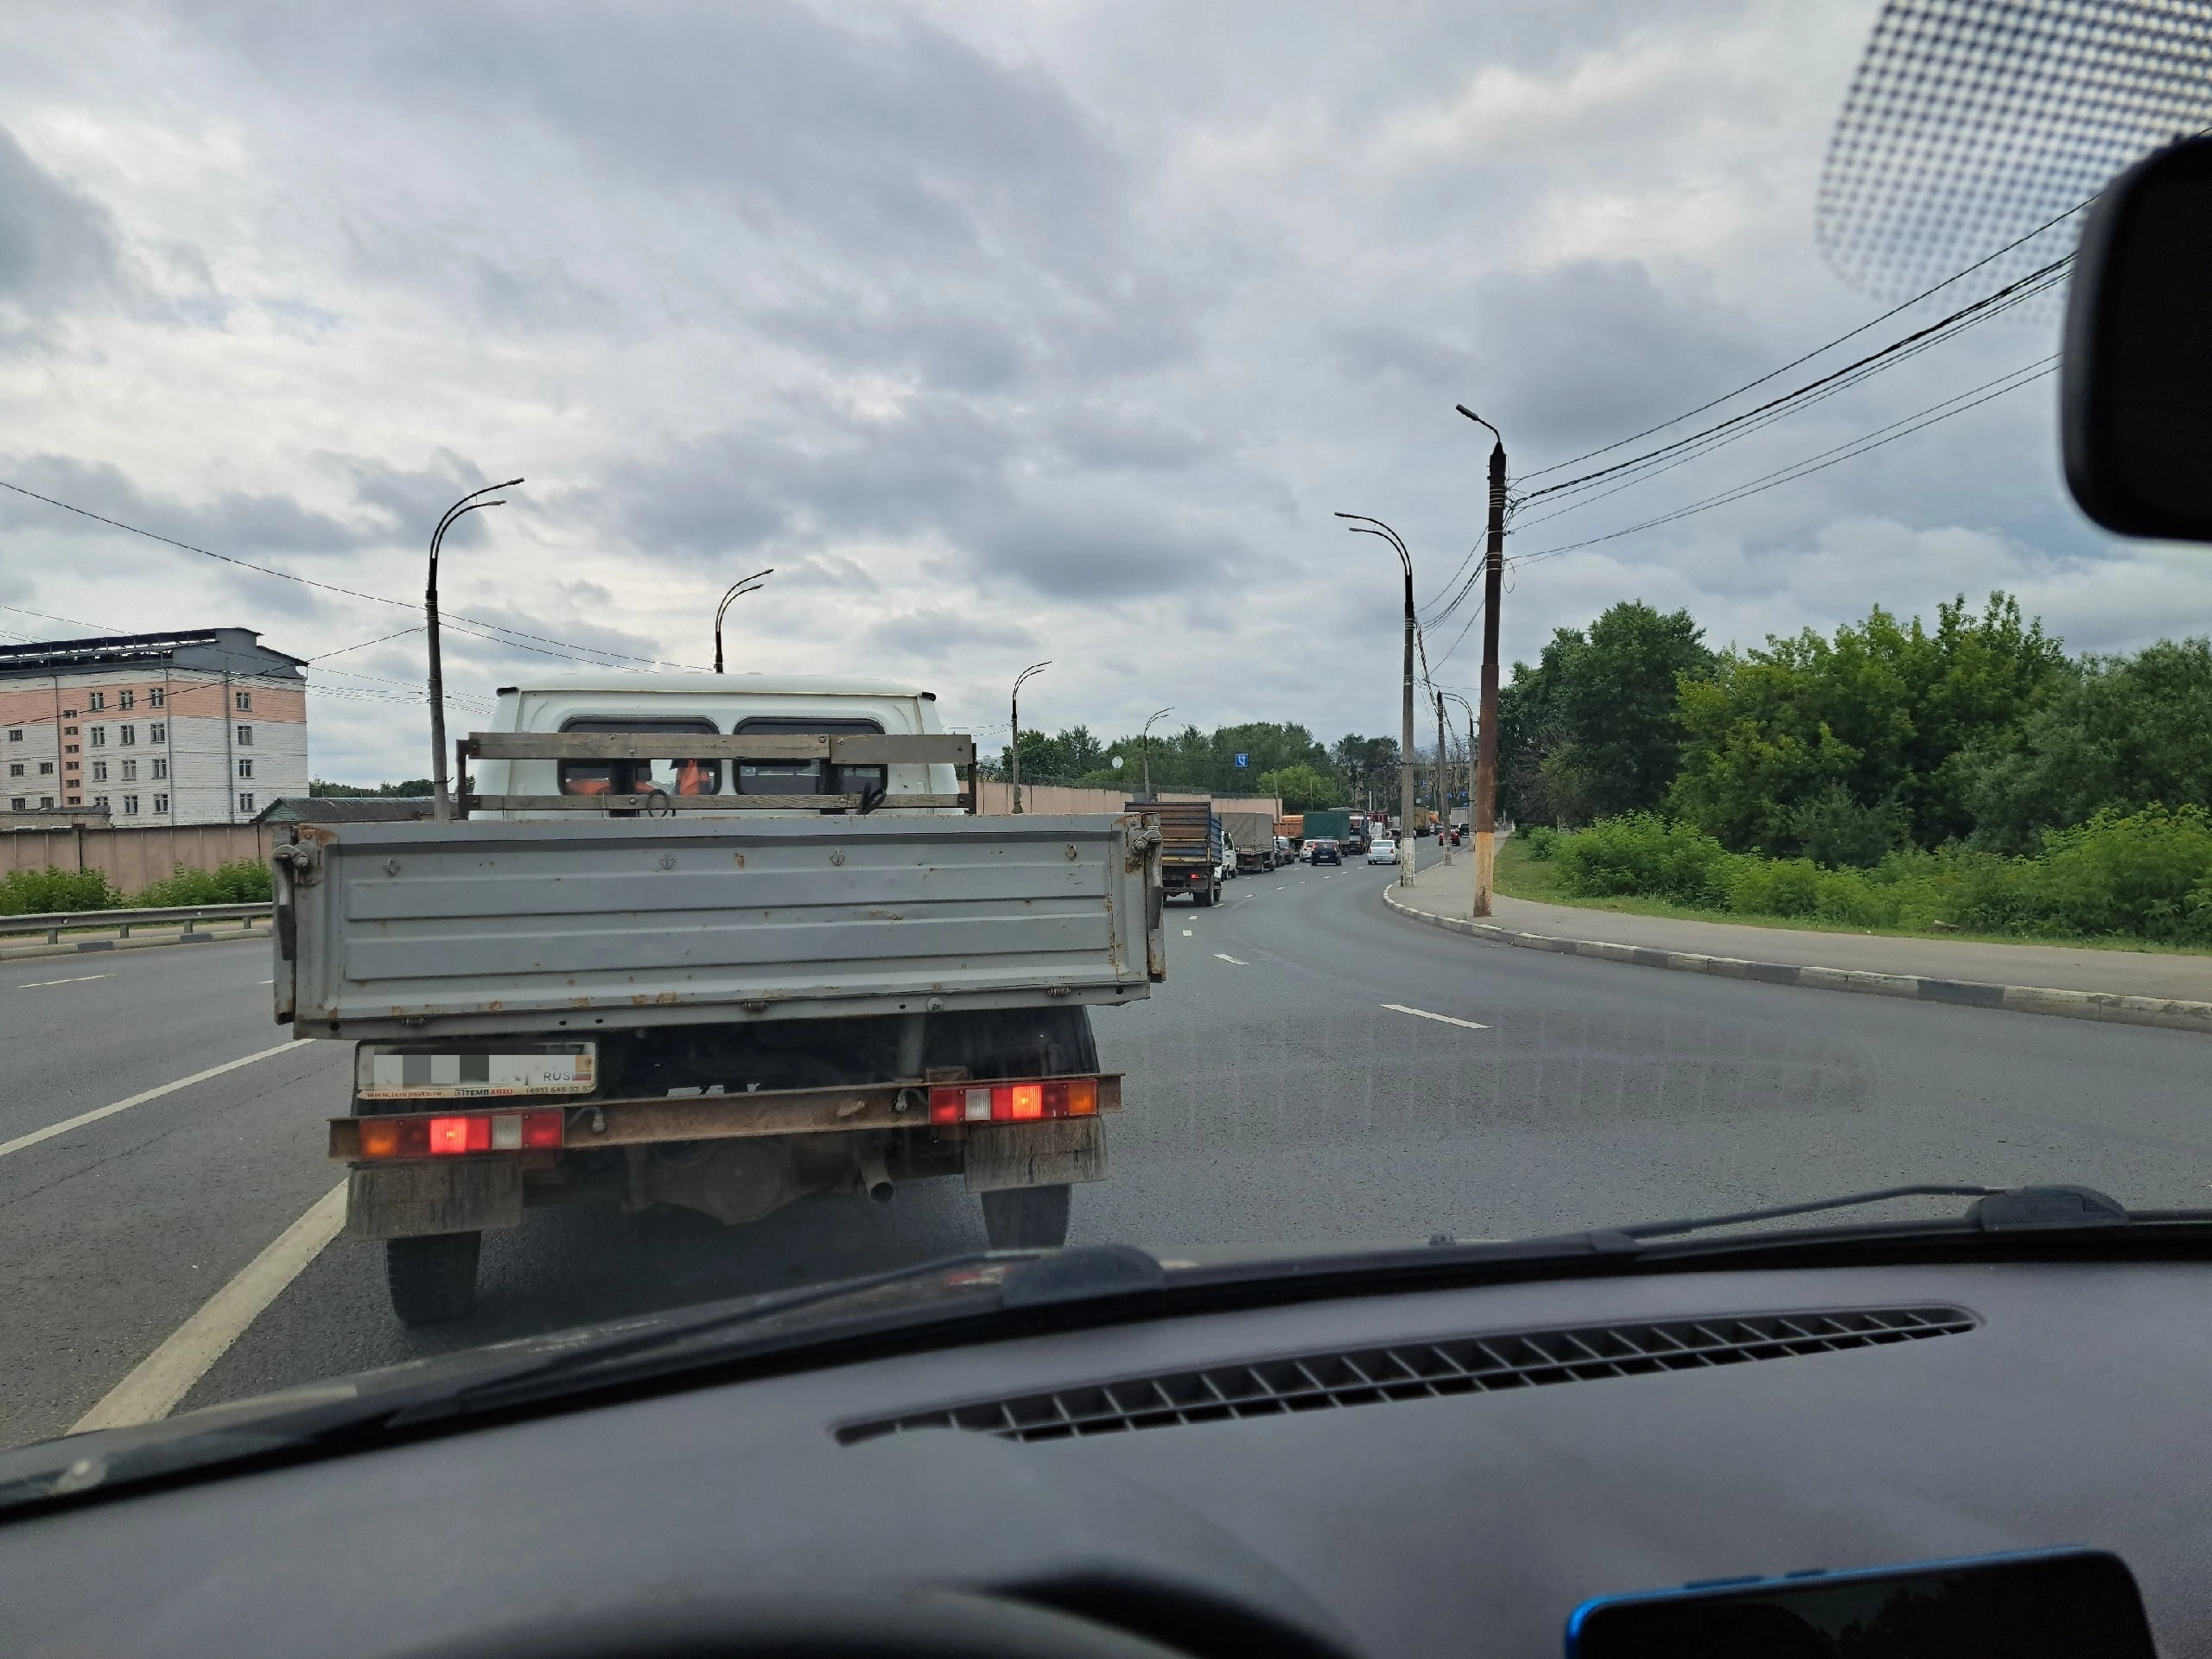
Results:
232 521
1592 349
57 246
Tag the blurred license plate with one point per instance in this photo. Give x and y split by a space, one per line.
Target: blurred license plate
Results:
387 1074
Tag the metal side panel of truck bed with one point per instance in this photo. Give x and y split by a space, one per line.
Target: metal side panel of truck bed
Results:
402 929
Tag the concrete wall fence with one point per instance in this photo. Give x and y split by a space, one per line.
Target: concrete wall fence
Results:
137 857
997 797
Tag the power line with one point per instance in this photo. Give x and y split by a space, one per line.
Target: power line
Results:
1989 305
1797 362
1827 458
332 587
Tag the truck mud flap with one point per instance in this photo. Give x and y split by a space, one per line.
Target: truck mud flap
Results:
1048 1153
409 1200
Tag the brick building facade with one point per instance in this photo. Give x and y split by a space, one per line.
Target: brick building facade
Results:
202 725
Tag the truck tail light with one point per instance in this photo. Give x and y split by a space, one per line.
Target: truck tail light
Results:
1013 1103
453 1134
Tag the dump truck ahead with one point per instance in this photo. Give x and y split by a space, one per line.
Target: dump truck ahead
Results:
716 941
1190 847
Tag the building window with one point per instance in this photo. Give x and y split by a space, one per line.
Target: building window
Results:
15 734
156 696
17 803
245 767
46 802
161 803
160 771
69 748
246 736
158 732
245 801
99 772
46 768
99 737
130 771
245 702
97 701
131 806
126 735
69 713
126 699
100 801
15 769
71 765
69 731
75 800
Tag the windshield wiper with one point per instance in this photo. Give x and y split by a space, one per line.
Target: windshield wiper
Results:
1996 1209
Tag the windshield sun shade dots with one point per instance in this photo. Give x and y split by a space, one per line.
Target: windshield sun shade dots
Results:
1970 124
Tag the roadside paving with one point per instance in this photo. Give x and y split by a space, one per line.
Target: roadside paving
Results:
1448 890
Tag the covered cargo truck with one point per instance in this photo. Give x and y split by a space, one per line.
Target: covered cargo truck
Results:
1254 834
1190 847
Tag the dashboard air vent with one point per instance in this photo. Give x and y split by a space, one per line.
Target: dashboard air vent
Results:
1422 1370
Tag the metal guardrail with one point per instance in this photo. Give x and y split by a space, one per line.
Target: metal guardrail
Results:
53 924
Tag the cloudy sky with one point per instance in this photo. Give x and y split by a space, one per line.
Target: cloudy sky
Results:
1002 331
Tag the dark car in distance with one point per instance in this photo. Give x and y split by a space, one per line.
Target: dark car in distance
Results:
1325 852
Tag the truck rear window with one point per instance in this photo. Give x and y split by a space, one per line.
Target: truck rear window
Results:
673 776
804 777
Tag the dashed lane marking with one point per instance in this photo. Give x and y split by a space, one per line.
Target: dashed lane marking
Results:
166 1375
74 979
1226 957
1423 1013
98 1113
1187 932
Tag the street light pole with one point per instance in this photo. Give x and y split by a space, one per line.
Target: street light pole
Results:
1020 680
440 789
1442 794
737 590
1145 742
1361 527
1493 588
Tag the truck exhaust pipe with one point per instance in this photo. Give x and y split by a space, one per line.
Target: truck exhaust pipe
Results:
876 1176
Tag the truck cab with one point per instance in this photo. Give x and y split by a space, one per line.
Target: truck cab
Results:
709 705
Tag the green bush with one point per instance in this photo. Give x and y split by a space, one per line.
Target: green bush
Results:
2145 876
243 881
1640 853
37 892
1543 839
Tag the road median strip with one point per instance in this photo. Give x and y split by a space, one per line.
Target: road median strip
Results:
2114 1008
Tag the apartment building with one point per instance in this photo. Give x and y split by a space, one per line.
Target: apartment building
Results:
201 726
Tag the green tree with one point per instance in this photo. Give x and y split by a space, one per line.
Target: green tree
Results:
1592 730
2117 734
1301 788
1788 742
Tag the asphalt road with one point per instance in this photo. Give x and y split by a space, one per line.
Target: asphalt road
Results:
1274 1094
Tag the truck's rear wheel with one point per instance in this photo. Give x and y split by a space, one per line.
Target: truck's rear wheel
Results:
1204 896
433 1277
1027 1217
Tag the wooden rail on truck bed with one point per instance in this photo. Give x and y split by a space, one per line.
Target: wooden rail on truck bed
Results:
956 749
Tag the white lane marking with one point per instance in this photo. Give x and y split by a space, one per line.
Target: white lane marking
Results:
1226 957
166 1375
77 979
269 982
1187 932
1423 1013
94 1117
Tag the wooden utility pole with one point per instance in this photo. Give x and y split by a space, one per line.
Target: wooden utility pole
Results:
1486 758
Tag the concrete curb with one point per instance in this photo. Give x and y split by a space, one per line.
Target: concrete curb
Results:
2109 1005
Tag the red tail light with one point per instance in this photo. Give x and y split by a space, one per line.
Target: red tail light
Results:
1013 1103
453 1134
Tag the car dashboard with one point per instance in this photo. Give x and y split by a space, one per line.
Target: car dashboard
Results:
1446 1473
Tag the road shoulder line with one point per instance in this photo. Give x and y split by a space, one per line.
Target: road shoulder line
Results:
2174 1014
167 1375
99 1112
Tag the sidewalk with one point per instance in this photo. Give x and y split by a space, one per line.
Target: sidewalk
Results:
2137 988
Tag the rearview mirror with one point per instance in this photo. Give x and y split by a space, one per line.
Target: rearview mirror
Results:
2135 379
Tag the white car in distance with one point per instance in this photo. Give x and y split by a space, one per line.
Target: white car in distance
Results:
1381 852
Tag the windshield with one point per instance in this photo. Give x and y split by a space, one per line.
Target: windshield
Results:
1529 663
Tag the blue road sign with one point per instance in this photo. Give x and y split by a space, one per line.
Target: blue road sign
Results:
1243 759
